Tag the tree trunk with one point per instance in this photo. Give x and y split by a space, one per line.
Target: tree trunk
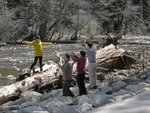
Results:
42 30
111 57
8 93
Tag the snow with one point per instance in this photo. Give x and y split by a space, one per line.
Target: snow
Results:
137 104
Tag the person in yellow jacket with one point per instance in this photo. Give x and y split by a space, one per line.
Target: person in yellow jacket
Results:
37 44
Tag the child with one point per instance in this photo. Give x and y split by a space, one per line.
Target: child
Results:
81 62
37 44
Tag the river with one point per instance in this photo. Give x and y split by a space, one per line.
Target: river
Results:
13 59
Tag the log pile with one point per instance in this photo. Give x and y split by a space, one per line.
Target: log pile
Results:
111 57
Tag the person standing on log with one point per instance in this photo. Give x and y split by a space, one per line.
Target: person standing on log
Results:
91 54
67 78
37 44
81 62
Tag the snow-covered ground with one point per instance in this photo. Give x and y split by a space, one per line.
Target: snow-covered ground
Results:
137 104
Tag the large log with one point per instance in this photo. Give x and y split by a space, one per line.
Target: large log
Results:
111 57
13 91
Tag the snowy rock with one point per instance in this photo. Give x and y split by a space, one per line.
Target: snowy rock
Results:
148 78
34 110
27 104
31 94
105 89
118 85
144 75
11 77
143 85
18 102
84 99
122 72
119 78
67 109
132 88
56 93
85 107
120 92
53 105
100 99
66 100
124 96
137 104
10 108
134 80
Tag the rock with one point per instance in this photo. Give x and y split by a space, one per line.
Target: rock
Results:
34 109
143 90
148 79
52 105
18 101
2 43
85 107
11 77
137 88
27 104
120 92
124 96
122 72
132 88
118 85
100 99
56 93
84 99
67 109
31 95
106 89
119 78
10 108
143 75
143 85
66 100
134 80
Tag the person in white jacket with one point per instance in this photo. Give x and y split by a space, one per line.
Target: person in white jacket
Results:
91 54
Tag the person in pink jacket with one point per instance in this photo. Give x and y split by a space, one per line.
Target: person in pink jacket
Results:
81 62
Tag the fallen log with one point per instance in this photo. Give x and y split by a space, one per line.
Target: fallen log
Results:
10 92
111 57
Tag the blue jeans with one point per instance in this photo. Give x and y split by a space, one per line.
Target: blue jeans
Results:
66 88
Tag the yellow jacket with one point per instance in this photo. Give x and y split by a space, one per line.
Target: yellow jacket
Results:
37 44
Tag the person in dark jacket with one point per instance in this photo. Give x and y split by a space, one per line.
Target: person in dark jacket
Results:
67 76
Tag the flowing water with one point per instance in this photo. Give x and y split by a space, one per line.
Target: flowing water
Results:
15 58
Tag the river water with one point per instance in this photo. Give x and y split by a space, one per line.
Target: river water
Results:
15 58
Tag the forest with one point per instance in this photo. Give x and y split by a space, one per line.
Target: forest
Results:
70 19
